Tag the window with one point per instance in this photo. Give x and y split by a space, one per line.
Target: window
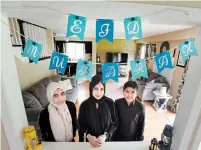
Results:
75 51
15 37
36 33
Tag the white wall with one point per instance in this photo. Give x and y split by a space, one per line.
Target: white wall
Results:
13 112
189 106
172 36
196 139
4 140
31 73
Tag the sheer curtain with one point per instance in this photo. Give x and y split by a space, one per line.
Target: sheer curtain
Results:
143 52
75 51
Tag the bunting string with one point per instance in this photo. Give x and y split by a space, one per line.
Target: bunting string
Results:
151 58
146 15
13 29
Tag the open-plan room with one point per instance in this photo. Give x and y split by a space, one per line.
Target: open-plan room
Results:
82 75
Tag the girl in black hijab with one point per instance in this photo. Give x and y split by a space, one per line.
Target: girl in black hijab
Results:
97 117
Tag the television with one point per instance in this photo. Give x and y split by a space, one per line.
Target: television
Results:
117 57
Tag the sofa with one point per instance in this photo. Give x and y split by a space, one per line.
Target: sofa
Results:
35 99
146 86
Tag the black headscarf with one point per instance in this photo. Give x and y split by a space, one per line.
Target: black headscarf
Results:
94 81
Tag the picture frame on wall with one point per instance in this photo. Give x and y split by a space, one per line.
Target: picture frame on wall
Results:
148 52
153 50
180 62
164 46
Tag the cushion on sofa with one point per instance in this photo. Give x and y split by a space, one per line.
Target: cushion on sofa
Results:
55 78
39 91
45 82
66 84
72 80
152 76
160 79
30 101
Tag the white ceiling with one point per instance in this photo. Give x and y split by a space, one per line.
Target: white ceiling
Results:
156 19
182 3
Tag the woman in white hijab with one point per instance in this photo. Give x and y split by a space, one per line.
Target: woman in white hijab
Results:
58 120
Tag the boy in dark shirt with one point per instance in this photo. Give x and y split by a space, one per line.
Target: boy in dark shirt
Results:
131 115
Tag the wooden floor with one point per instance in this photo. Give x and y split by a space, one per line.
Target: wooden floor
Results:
154 121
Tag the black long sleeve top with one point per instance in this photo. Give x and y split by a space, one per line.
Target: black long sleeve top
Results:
131 120
97 117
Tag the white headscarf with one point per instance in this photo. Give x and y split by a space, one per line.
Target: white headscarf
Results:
59 116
